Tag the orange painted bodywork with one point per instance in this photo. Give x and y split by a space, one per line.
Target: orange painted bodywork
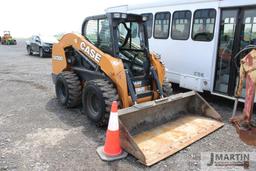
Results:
158 66
111 66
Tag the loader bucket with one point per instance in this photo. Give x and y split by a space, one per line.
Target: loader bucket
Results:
154 130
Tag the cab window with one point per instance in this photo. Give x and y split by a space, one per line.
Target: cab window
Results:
91 31
104 37
134 40
203 25
98 33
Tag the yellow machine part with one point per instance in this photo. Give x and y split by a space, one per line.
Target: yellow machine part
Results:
7 36
111 66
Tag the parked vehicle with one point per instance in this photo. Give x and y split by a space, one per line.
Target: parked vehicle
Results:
198 39
41 45
7 39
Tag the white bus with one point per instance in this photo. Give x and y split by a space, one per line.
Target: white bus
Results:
198 39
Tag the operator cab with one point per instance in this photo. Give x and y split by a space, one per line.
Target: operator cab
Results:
123 36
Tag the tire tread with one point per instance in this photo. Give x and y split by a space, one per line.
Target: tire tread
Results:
74 88
109 94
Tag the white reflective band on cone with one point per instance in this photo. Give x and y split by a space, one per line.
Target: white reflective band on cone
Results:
113 122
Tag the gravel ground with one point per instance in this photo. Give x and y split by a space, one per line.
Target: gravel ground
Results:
37 133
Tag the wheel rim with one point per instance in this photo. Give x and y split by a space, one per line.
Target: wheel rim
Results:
93 104
62 92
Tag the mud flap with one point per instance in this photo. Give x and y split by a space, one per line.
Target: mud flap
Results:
154 130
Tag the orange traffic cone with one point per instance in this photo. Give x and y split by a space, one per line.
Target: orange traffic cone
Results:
112 149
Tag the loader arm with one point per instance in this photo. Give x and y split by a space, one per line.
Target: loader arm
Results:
112 67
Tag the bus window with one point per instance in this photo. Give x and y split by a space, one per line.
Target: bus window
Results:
181 25
248 34
203 24
162 25
225 49
149 23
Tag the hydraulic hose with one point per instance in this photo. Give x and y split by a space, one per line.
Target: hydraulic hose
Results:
248 47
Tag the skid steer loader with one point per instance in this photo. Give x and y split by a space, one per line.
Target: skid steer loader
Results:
111 61
7 39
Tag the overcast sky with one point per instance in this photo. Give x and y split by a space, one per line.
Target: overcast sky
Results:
27 17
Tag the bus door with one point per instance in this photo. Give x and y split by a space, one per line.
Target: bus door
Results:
237 30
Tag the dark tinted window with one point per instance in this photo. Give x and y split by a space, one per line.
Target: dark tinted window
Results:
162 25
203 24
149 23
225 49
181 25
248 35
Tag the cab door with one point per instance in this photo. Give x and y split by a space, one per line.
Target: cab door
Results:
237 30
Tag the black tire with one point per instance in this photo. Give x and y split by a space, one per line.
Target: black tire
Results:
68 89
29 50
41 52
97 98
167 89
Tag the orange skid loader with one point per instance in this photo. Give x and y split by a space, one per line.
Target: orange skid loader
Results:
111 61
